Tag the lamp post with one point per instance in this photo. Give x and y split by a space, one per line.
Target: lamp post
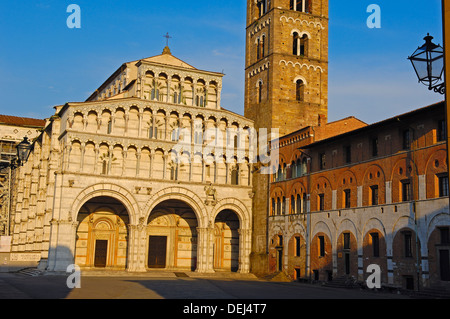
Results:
428 62
22 154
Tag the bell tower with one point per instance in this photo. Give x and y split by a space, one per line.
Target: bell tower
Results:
286 84
286 65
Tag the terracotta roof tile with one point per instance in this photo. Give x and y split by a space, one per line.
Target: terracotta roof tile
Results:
21 121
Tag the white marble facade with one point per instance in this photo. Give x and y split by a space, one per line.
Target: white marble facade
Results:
110 171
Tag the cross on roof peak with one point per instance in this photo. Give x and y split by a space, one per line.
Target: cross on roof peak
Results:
167 36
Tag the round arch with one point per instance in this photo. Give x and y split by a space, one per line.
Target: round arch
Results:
237 207
108 190
182 194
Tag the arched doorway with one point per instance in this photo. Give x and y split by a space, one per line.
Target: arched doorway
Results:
102 236
226 241
172 236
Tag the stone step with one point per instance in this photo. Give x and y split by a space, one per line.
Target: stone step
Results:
31 272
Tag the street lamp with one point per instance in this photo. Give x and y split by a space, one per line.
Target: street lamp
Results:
428 62
23 152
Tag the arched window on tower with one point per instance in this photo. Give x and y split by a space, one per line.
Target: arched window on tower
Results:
258 49
304 45
262 44
295 44
262 7
300 90
300 44
259 89
300 5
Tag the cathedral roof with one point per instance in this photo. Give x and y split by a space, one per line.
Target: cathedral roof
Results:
168 59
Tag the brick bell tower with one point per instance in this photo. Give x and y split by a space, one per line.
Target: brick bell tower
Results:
286 82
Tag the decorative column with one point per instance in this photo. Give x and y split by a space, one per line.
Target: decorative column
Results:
169 83
83 145
165 158
127 117
244 250
141 115
154 126
166 129
97 150
124 159
138 161
136 247
152 158
219 91
110 157
205 250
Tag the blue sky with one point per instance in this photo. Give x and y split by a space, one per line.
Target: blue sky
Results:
43 63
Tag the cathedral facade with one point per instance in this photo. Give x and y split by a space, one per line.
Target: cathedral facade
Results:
149 172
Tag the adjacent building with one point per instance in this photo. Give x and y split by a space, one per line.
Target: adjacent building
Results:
373 195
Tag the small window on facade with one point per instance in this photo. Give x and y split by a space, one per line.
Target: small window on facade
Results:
406 190
293 204
298 204
347 198
442 131
321 202
374 195
109 126
278 206
321 246
273 207
443 185
299 90
375 244
260 86
297 246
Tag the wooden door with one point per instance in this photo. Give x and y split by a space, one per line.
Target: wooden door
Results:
157 251
101 253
